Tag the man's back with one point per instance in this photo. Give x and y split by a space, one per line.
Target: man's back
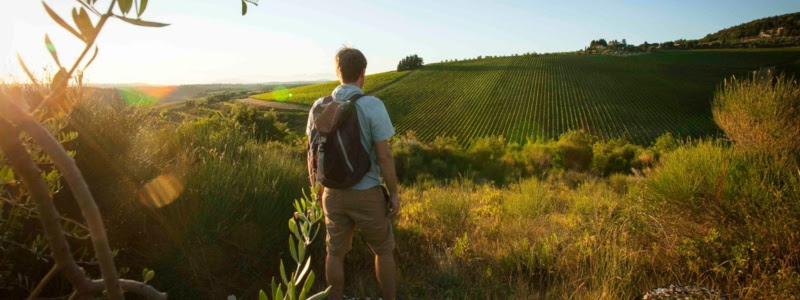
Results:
375 127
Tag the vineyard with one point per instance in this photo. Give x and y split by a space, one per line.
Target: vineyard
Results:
638 97
309 93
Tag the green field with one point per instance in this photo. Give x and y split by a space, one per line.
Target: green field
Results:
308 94
638 97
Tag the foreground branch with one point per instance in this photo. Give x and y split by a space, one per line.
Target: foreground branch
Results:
20 160
12 120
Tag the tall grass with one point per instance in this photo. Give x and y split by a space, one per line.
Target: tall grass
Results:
760 114
222 234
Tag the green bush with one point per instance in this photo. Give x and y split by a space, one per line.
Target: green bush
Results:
487 155
537 158
615 156
263 125
760 114
575 150
529 199
735 210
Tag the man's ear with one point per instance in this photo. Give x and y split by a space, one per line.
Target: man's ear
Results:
364 74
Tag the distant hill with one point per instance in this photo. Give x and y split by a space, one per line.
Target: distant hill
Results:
782 26
639 97
771 32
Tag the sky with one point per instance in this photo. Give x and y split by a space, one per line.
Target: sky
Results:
209 41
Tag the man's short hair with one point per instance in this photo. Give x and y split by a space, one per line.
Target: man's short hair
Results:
350 63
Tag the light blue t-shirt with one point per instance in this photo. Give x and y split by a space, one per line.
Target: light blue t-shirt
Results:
375 127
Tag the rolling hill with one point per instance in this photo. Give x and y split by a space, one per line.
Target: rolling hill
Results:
543 96
310 93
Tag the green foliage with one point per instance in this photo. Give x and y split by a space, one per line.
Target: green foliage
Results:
310 93
26 256
495 160
575 150
264 125
760 114
731 211
411 62
232 182
665 143
304 229
530 199
616 156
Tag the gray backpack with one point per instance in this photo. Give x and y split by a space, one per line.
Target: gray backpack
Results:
336 157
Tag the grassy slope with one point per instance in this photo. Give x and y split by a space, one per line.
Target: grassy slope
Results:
640 97
308 94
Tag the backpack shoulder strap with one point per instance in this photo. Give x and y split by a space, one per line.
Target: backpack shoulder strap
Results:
355 97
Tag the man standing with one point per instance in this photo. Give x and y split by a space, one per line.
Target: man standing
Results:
364 204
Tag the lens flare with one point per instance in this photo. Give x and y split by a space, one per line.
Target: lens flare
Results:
281 93
145 95
161 191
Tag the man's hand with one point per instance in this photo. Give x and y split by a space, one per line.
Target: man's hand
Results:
386 163
394 201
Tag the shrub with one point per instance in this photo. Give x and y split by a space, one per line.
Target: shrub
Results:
665 143
529 199
730 211
575 150
264 125
537 158
487 156
615 156
760 114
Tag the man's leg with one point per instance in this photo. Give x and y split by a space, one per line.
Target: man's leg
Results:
385 270
334 273
339 228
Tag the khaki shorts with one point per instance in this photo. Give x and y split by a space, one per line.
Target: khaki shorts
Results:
366 210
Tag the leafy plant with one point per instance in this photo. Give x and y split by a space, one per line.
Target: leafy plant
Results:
304 228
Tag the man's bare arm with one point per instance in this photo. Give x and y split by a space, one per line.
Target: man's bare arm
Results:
321 188
383 153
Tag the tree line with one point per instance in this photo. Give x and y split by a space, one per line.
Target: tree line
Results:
411 62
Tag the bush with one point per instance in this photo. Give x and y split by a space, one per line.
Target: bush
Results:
529 199
615 156
760 114
487 156
575 150
264 125
731 212
537 158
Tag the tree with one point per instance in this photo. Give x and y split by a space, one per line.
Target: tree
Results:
411 62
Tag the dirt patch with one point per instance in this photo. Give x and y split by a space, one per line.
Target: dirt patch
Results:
273 104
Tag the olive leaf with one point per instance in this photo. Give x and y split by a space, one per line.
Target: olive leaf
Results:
84 24
61 21
125 6
27 72
142 6
93 57
51 48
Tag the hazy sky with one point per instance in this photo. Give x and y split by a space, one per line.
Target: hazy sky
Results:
281 40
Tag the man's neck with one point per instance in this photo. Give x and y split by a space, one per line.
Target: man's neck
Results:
354 84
